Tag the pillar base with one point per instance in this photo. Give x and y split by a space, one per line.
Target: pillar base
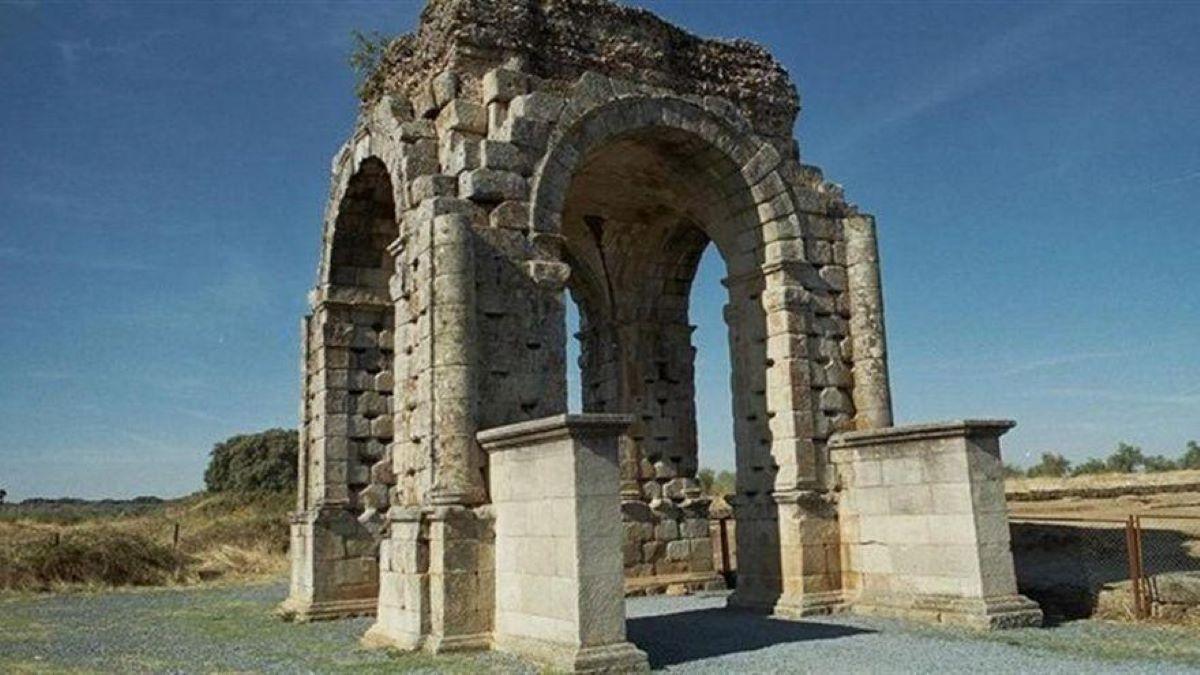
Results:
300 611
335 573
995 613
792 607
618 657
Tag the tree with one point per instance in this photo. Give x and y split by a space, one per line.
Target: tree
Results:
1091 467
3 495
254 462
365 59
1013 471
714 484
1053 465
1191 456
1126 459
1158 463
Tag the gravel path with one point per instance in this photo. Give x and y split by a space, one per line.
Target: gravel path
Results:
231 629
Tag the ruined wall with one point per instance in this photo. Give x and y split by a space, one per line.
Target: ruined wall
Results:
518 164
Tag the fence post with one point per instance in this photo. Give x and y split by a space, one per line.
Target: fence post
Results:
1142 579
1133 545
175 536
725 566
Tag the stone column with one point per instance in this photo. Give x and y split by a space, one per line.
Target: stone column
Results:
458 477
559 587
872 393
925 526
333 554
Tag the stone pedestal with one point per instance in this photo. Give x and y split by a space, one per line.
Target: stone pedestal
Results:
436 584
559 587
924 526
334 567
793 567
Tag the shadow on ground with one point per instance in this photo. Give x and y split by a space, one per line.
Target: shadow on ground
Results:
670 639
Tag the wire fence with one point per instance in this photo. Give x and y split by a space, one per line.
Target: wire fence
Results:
17 534
1138 567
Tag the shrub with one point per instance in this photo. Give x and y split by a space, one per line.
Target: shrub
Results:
1053 465
1091 467
103 556
1158 463
1191 456
714 484
365 59
253 462
1126 459
1013 471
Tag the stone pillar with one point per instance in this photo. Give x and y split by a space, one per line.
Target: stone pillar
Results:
345 426
872 393
559 588
458 470
925 527
789 392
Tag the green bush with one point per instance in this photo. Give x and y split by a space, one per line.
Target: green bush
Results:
365 59
714 484
1126 459
1158 463
1191 456
254 462
1053 465
1091 467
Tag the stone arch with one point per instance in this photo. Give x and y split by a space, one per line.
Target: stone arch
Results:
705 179
346 411
752 197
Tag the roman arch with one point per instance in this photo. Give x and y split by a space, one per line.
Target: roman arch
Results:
510 152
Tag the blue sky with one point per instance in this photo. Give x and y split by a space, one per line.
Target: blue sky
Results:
1034 169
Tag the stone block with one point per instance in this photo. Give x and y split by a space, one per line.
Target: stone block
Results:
679 550
694 528
488 185
502 156
538 105
445 88
653 551
463 116
436 185
502 85
666 530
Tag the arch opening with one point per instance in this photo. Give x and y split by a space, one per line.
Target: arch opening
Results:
640 211
356 346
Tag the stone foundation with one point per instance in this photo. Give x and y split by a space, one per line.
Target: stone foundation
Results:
334 566
924 526
555 492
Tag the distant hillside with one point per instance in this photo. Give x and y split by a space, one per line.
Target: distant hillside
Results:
50 544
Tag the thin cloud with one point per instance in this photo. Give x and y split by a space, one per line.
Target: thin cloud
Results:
72 52
1121 396
1063 360
95 262
1023 45
1167 182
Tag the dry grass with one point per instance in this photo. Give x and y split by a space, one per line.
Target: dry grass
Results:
221 536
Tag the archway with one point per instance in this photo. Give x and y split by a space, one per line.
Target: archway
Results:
640 210
346 409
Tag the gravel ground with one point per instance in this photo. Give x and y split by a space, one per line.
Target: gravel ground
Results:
230 629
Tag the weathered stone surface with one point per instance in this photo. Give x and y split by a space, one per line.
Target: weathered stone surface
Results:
523 150
490 185
502 84
622 42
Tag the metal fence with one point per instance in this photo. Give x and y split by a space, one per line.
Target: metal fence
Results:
1136 567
